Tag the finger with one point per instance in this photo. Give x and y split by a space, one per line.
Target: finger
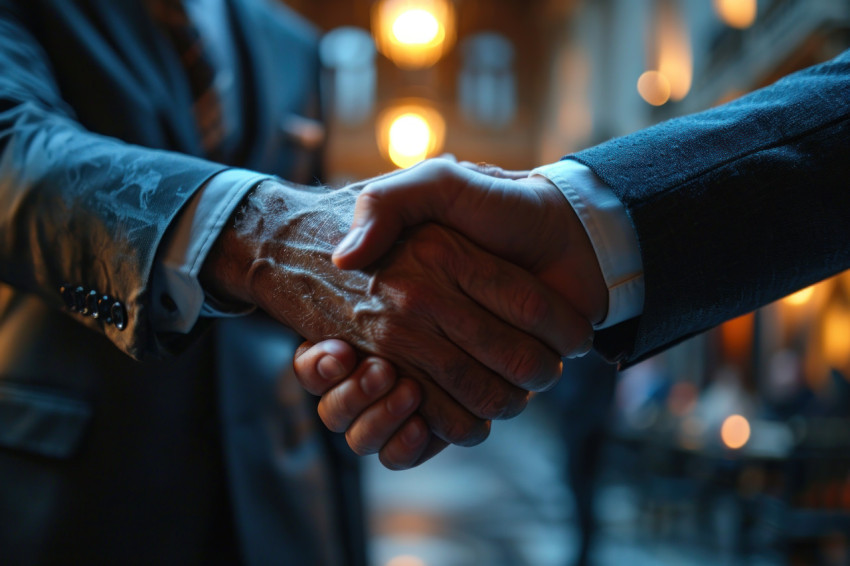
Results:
318 367
454 422
387 205
377 424
500 342
406 446
434 447
520 299
339 407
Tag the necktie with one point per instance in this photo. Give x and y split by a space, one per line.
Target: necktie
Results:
172 17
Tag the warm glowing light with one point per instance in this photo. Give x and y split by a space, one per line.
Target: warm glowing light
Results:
416 27
413 33
736 336
406 560
800 297
674 56
410 137
836 346
735 431
654 88
409 133
737 13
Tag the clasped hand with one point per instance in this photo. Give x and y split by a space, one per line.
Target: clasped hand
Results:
463 319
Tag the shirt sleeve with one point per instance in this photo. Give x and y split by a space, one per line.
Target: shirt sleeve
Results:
178 298
611 233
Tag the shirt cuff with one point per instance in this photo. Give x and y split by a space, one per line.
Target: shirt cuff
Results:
178 298
611 233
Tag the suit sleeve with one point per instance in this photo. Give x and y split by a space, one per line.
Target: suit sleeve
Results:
734 207
80 211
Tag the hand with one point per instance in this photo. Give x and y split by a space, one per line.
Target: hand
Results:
427 308
526 221
367 402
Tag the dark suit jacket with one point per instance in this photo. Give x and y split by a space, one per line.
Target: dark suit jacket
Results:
183 454
734 207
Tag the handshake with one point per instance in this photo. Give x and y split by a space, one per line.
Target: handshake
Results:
454 294
451 290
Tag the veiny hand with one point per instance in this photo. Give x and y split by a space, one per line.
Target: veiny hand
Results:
529 222
458 321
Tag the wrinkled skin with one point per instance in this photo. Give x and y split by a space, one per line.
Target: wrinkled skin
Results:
524 219
456 320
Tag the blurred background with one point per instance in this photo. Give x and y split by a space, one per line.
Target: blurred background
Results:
732 448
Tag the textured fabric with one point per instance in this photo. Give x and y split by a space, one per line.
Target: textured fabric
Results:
158 459
734 207
611 233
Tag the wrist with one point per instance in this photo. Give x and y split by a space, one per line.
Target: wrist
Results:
226 273
575 270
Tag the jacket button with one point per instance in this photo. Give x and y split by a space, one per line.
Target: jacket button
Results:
79 300
91 304
119 315
104 310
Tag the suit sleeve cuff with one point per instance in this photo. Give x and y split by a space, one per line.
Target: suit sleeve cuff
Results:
178 299
611 233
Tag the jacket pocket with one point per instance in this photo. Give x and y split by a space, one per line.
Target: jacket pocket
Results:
41 421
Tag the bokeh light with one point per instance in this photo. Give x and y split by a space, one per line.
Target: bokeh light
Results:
654 88
735 431
800 297
413 34
739 14
410 137
409 132
416 27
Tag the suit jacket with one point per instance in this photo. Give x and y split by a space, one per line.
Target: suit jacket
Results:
119 444
734 207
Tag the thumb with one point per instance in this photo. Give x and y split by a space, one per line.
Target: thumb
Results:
388 205
373 231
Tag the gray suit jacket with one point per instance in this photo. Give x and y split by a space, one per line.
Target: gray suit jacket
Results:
120 445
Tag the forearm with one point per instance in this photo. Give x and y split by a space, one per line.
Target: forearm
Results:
273 229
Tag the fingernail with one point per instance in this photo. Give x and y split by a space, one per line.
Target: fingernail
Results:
374 381
400 403
329 368
585 348
351 241
412 433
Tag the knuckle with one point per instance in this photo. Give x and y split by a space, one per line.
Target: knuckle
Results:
531 308
337 409
390 462
526 369
430 245
330 420
357 444
505 405
467 433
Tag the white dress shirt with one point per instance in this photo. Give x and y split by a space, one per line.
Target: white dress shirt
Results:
610 231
